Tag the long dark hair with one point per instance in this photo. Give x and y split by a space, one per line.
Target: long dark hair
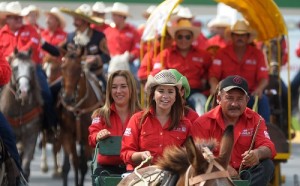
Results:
176 112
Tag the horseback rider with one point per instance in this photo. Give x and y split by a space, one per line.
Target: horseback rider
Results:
94 42
23 37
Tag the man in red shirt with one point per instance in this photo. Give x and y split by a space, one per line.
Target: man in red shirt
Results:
123 37
187 59
23 37
248 125
242 58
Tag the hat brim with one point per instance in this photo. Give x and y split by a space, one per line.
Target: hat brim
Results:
61 19
194 30
226 89
90 19
5 14
252 33
120 13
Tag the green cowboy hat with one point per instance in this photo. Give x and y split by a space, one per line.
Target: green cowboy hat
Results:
185 82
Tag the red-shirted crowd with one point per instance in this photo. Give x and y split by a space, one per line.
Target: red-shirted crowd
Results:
185 68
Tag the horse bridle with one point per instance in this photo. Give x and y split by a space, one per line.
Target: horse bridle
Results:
208 175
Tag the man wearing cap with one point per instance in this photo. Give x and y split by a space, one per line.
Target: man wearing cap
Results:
246 60
23 37
186 58
248 125
122 36
99 11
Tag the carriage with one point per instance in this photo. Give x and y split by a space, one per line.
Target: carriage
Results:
272 32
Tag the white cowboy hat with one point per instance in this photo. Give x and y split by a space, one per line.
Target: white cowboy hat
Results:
30 8
164 77
185 12
99 7
12 8
184 24
84 12
120 9
57 13
219 21
241 27
148 11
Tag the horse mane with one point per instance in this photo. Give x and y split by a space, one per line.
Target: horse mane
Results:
175 159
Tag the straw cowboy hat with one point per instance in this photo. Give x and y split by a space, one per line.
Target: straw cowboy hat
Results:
84 12
2 9
57 13
219 21
99 7
164 77
120 9
241 27
13 8
148 11
184 25
30 8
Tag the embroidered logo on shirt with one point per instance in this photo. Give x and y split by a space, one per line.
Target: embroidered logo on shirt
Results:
180 129
24 34
250 62
96 120
263 69
217 62
129 34
197 59
156 66
127 132
267 134
60 36
247 132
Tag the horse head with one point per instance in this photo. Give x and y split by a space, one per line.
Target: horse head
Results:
23 74
71 71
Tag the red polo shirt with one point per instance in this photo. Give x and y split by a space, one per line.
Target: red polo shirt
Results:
54 38
150 136
252 67
23 39
120 41
216 40
194 66
116 129
100 28
211 125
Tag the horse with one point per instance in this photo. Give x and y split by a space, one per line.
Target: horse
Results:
80 95
21 104
194 165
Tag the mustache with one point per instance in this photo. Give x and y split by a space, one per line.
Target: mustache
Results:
234 108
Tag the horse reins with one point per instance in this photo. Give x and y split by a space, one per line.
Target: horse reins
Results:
208 175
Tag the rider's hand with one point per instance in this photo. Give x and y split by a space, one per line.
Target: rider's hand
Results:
144 155
232 172
257 92
102 134
250 159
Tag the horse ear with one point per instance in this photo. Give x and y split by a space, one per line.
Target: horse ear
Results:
195 156
226 146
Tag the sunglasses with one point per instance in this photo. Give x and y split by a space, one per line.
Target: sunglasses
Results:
187 37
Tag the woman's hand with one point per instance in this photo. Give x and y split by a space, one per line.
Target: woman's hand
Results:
102 134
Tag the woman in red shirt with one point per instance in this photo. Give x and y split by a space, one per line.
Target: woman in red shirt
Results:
111 119
160 125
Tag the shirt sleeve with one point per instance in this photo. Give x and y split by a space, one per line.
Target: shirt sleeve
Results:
215 69
94 128
263 138
5 71
130 140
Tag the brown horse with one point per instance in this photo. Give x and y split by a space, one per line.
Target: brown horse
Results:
195 165
21 104
80 95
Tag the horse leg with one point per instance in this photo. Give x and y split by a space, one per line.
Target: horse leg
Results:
70 149
66 168
44 164
83 163
55 151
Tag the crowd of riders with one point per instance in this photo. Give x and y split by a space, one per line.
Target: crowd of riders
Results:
176 78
